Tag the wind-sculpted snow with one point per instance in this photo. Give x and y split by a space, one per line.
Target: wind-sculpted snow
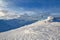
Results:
41 30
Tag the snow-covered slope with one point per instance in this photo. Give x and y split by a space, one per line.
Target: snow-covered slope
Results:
41 30
11 20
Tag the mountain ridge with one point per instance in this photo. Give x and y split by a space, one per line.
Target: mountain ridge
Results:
41 30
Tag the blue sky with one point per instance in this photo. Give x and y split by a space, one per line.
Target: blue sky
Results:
52 5
34 3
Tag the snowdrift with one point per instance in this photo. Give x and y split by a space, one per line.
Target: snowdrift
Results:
41 30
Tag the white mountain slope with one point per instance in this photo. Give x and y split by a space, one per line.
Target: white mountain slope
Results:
41 30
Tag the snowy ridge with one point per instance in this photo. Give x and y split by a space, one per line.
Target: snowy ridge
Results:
41 30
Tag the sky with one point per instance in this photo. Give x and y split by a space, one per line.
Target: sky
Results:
32 5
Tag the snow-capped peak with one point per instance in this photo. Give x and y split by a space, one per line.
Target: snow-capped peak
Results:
49 19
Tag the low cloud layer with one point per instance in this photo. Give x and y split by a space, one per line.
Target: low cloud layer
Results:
15 7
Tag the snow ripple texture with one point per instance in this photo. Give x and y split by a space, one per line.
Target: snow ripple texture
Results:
40 30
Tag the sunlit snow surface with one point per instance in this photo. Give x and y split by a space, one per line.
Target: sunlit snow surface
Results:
41 30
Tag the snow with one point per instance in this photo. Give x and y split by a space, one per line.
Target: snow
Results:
39 30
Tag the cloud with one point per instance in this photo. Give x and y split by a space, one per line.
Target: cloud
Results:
18 6
6 15
2 14
3 3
